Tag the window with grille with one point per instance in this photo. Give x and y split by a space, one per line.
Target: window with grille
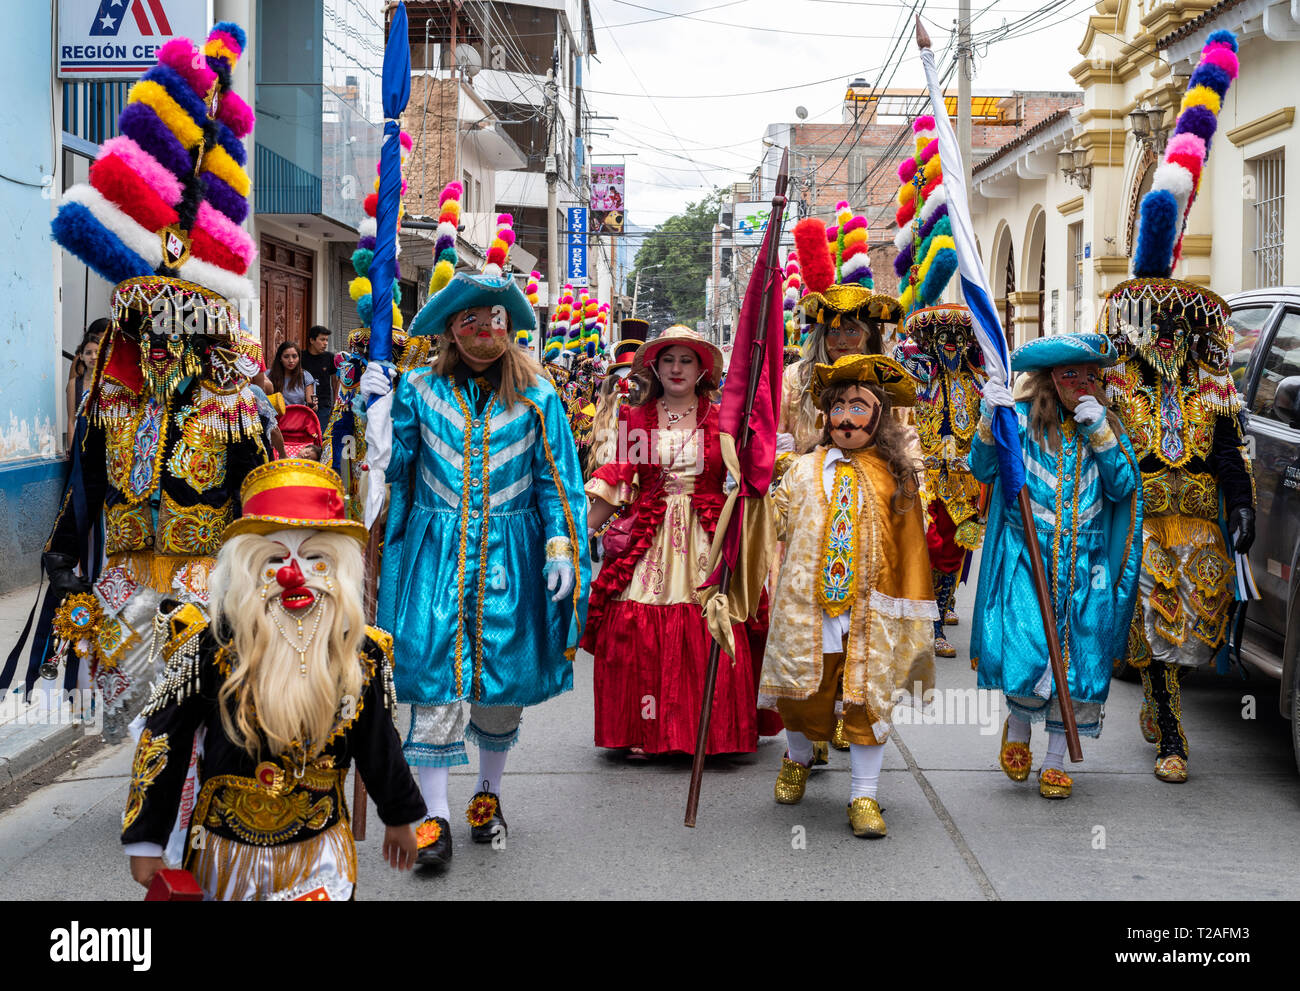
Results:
1076 275
1269 204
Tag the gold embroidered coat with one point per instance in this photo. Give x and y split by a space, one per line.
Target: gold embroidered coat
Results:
890 649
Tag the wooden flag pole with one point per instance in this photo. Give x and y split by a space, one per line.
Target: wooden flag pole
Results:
757 348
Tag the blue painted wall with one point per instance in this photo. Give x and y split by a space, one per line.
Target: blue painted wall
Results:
31 379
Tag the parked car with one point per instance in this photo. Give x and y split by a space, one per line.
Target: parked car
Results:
1266 368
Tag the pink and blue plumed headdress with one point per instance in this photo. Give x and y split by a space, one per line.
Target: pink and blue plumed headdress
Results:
1173 189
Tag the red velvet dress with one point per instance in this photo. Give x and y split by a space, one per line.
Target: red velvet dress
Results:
645 625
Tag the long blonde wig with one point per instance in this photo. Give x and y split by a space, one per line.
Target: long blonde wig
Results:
266 701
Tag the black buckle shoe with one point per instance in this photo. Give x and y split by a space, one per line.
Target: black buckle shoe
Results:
433 842
484 817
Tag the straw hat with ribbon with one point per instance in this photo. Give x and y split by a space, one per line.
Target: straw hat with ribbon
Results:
866 369
709 354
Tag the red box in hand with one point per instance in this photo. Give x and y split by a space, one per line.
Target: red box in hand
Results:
174 886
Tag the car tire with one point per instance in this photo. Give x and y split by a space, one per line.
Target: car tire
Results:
1293 711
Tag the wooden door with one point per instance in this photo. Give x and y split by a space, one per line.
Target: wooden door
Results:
287 295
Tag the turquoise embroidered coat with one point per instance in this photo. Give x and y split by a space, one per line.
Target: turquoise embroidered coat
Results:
1087 505
475 498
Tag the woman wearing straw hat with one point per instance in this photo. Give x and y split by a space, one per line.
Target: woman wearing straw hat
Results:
645 625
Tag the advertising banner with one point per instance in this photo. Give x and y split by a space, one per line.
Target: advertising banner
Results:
608 184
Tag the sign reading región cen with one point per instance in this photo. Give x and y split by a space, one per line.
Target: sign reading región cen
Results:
118 39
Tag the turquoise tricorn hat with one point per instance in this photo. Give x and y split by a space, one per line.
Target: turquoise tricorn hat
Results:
465 291
1063 349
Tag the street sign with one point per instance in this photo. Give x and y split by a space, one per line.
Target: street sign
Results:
576 265
113 39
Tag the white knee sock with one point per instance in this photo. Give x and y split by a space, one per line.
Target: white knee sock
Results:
433 786
865 761
1017 729
1055 756
799 747
491 766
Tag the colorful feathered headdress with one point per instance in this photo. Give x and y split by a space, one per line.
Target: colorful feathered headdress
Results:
837 272
524 338
360 287
927 253
791 290
1173 189
499 251
167 197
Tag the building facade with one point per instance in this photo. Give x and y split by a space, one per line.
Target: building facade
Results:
1056 213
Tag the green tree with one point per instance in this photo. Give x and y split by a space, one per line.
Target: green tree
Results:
674 261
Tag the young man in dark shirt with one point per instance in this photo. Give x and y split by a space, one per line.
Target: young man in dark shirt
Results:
319 361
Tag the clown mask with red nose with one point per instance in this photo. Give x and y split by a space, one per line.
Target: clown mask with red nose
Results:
297 575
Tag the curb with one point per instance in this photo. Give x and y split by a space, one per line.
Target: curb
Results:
25 748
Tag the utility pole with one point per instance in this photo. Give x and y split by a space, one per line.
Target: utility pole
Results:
965 69
552 180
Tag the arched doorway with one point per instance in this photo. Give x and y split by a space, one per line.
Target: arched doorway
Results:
1009 315
1034 275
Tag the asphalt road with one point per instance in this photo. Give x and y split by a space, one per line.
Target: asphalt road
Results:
588 825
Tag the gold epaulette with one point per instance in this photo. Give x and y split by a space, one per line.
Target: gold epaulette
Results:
177 635
784 461
384 641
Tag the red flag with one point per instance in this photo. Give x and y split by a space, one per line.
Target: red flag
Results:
762 348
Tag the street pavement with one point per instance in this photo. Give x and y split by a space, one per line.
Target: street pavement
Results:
585 824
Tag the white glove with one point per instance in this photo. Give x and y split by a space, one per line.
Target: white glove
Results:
785 443
1088 411
379 450
559 579
997 394
375 380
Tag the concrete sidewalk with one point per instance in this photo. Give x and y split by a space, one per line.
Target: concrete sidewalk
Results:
30 733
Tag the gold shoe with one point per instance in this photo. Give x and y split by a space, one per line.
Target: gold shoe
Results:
1172 769
943 647
1014 758
837 740
1147 723
1054 784
865 818
821 754
950 619
791 782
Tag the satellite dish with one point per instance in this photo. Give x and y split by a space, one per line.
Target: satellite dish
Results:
468 60
801 113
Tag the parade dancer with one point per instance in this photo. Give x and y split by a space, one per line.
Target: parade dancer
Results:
173 428
941 353
485 568
1175 392
845 313
618 391
851 614
285 686
846 316
1083 482
646 627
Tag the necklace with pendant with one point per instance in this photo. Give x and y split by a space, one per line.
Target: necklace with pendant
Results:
675 417
299 644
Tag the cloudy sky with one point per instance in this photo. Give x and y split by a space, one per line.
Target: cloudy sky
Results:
685 77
